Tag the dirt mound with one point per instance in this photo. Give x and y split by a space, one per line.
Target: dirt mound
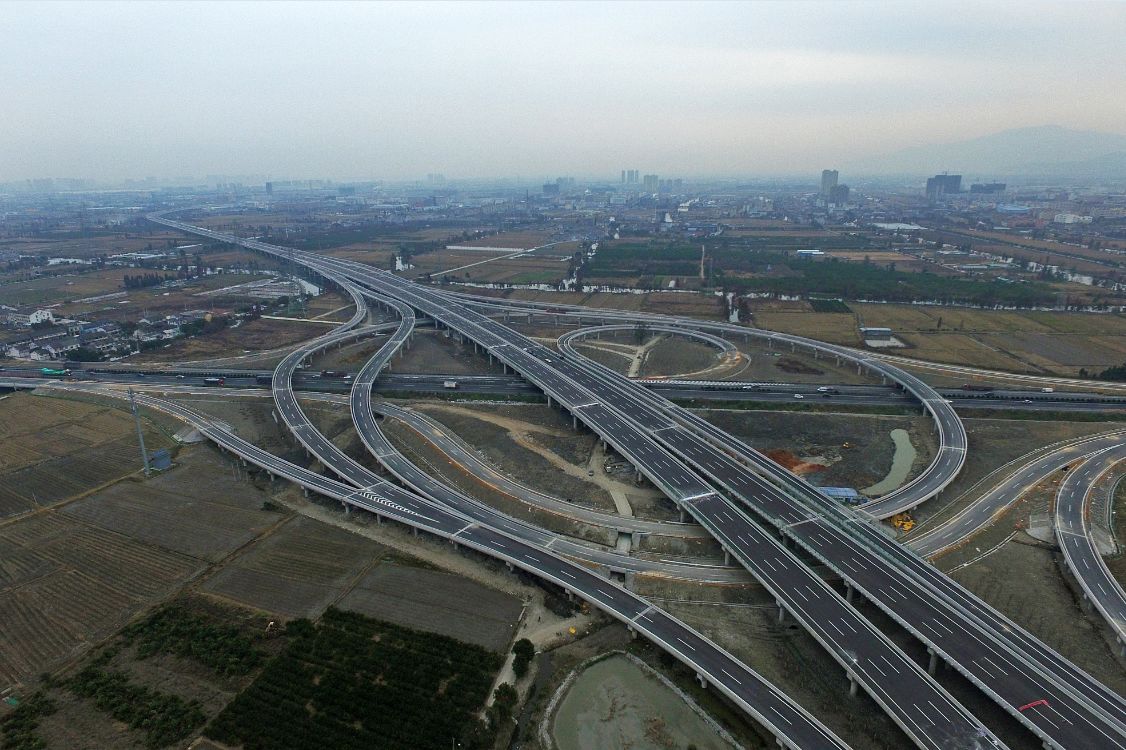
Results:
788 460
793 366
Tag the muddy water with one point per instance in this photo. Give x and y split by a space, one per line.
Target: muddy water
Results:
615 705
900 465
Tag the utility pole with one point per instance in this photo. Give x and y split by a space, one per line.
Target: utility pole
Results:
140 432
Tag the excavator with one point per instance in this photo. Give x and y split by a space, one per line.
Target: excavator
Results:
903 522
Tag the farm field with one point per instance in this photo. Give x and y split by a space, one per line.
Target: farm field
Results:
543 267
1029 341
55 449
835 328
436 602
71 576
366 683
297 571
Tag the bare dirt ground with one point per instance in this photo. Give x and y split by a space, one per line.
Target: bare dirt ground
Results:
813 444
517 447
432 352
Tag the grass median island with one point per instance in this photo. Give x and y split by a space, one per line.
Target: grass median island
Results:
353 682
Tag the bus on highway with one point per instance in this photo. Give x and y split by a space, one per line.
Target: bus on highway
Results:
53 373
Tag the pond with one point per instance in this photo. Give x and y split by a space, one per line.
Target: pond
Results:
615 704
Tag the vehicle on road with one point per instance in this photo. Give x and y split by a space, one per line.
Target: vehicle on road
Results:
798 395
1047 390
54 373
214 381
451 384
827 389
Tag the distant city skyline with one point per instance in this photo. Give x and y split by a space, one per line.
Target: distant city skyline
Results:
397 91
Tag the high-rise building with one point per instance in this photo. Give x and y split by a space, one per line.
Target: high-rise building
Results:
623 177
987 187
838 195
828 181
943 184
651 183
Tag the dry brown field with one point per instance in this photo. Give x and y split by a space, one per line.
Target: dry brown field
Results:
70 576
251 336
297 571
835 328
521 240
436 602
55 449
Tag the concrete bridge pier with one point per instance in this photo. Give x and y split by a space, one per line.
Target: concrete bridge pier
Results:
726 557
702 680
852 685
781 612
932 660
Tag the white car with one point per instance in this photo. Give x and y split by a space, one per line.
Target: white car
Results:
798 395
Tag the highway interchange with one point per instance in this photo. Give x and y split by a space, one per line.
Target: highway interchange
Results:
758 512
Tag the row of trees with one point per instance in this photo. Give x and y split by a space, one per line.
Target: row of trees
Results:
142 280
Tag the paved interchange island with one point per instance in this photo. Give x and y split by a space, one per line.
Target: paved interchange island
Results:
758 512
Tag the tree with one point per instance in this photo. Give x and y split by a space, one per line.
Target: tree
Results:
523 652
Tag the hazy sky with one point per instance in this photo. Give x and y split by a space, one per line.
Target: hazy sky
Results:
379 90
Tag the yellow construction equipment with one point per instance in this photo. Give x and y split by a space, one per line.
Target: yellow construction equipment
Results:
903 521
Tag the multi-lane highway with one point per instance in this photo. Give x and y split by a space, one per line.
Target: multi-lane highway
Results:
1006 662
1073 527
1019 477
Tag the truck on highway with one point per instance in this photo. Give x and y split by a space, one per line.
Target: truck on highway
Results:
332 374
1047 390
451 384
51 372
214 381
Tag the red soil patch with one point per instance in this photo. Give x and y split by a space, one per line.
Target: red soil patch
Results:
788 460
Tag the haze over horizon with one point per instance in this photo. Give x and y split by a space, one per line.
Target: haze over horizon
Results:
392 91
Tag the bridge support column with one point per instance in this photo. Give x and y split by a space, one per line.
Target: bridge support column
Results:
414 531
574 422
305 491
683 515
700 678
632 632
857 368
347 508
549 402
508 565
852 685
726 557
504 366
781 612
638 478
932 661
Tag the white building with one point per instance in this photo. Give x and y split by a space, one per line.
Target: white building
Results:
28 318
